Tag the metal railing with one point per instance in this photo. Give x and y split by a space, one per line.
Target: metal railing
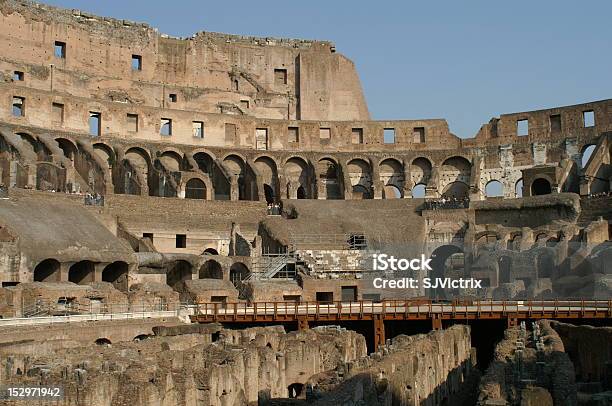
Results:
398 308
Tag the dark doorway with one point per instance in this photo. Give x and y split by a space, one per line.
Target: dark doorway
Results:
540 187
269 193
116 273
180 271
325 297
81 272
47 271
301 193
349 293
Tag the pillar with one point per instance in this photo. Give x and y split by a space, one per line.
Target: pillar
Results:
436 322
303 323
379 331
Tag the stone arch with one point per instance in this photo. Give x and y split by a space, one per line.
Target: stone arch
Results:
540 186
171 160
195 188
329 179
82 272
236 167
211 269
585 154
134 172
518 188
420 170
238 272
440 264
360 175
31 143
418 191
117 274
220 186
47 270
105 152
295 390
103 342
268 172
391 172
297 175
455 169
494 188
180 271
68 147
210 251
457 190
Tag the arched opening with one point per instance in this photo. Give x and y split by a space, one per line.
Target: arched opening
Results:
116 273
391 173
418 191
82 272
235 166
141 337
494 189
266 168
104 342
195 189
211 251
211 270
269 193
420 170
360 192
540 186
518 188
180 271
301 193
456 169
456 190
328 176
586 154
360 175
444 258
514 243
295 390
68 148
296 173
47 271
238 272
392 192
505 269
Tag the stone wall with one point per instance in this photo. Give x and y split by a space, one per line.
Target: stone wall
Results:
212 367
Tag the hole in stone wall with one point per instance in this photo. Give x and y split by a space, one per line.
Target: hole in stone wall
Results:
181 241
165 127
389 136
132 123
95 123
522 127
357 136
18 106
588 118
60 49
136 62
555 123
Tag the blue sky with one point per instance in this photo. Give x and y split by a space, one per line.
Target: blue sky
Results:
465 61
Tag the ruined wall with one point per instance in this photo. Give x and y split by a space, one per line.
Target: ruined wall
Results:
211 367
207 72
590 351
433 369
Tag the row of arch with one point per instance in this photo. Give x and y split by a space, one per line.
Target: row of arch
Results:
83 272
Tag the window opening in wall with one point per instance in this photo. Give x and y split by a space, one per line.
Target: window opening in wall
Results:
166 127
18 106
261 138
293 134
18 76
280 76
244 104
522 127
57 110
357 136
181 241
235 85
389 136
588 118
136 62
418 135
149 236
60 49
555 123
198 129
324 133
132 123
172 97
95 122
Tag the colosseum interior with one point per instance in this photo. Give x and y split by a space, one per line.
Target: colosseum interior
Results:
192 221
